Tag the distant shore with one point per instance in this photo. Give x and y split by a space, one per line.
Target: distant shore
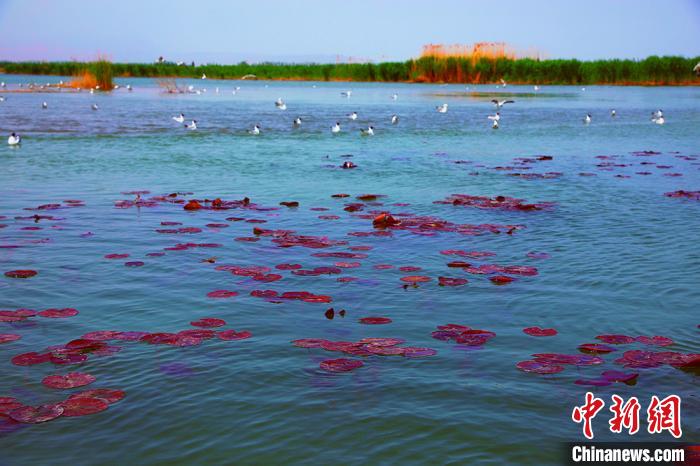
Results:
652 71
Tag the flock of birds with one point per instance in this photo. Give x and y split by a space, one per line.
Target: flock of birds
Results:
14 139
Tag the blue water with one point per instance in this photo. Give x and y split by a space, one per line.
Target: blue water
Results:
623 259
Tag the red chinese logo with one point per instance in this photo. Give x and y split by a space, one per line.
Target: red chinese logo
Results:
665 415
587 412
662 415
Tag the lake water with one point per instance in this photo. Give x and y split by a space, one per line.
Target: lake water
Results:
622 259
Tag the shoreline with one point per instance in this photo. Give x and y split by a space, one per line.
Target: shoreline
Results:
350 80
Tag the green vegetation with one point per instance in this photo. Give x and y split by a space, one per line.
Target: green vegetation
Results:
102 70
650 71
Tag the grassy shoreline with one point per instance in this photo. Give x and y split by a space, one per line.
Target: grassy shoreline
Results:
652 71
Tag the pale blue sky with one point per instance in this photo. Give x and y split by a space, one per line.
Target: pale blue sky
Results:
304 30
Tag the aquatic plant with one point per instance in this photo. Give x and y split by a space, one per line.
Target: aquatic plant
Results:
480 68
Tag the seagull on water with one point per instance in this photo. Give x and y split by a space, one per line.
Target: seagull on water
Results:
346 94
44 105
587 119
501 103
2 84
192 125
536 88
613 113
2 98
353 116
503 82
367 132
129 88
659 120
180 118
394 97
441 108
335 128
204 76
94 106
255 131
659 114
394 119
297 122
14 139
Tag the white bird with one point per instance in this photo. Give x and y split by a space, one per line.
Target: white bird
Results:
204 76
536 88
128 87
233 92
394 119
613 113
503 82
282 107
583 89
116 86
658 114
394 96
659 120
192 125
346 94
255 130
216 90
353 116
587 119
297 122
2 98
180 118
495 117
2 84
495 124
44 105
335 128
279 101
92 91
441 108
501 103
14 139
94 106
368 132
190 88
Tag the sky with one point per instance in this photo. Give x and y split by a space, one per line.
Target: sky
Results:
221 31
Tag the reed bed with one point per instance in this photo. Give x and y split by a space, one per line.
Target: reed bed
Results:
435 68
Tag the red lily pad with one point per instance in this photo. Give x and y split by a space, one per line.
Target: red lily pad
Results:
383 267
340 365
288 266
540 332
116 256
616 339
539 367
655 340
8 337
59 313
447 281
375 320
30 359
208 322
83 406
596 348
415 279
410 268
417 352
134 264
36 415
382 341
230 335
309 342
21 273
222 294
108 395
501 279
70 380
617 376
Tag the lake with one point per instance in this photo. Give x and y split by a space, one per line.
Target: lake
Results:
602 251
